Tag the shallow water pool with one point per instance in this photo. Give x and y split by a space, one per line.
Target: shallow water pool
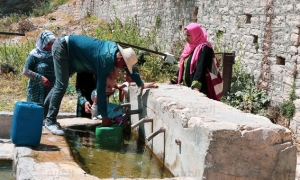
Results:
6 172
131 159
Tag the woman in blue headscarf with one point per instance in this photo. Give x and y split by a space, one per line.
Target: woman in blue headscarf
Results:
39 68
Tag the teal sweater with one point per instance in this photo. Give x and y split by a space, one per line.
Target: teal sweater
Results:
96 56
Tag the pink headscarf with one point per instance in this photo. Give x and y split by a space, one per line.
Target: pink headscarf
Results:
199 40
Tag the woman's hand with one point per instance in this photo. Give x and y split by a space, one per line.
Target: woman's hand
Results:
87 107
45 81
196 89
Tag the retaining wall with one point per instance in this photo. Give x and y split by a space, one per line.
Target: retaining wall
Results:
217 141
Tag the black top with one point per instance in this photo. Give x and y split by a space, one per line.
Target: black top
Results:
85 84
204 61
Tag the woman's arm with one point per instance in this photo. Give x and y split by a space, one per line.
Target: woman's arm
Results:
28 69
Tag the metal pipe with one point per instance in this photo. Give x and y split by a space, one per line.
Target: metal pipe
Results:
131 112
144 49
151 136
227 61
144 120
178 142
12 33
121 106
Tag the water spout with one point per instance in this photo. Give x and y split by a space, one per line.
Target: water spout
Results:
142 121
131 112
151 136
122 106
128 112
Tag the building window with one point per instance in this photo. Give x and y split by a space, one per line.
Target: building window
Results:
280 60
298 26
248 18
255 38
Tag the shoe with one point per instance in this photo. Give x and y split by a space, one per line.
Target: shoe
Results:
55 129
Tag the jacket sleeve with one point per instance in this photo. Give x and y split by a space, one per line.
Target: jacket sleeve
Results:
135 76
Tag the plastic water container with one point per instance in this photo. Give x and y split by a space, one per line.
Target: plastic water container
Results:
109 136
27 124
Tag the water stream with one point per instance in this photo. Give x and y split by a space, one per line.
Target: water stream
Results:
131 159
6 172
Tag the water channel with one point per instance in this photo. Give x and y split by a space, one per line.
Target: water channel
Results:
6 172
132 159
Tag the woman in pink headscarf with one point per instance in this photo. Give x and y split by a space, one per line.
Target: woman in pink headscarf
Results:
195 58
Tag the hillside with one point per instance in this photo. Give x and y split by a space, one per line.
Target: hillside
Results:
14 87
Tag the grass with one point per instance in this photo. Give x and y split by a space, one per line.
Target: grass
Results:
13 89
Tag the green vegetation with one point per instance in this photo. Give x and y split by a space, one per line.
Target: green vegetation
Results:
244 94
287 107
46 7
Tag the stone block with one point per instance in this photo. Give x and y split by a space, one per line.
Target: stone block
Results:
5 124
216 140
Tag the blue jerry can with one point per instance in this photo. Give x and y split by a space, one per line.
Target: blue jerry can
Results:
27 124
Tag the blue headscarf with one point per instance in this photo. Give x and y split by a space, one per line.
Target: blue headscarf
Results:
43 39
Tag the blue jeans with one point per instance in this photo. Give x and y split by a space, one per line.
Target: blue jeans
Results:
61 70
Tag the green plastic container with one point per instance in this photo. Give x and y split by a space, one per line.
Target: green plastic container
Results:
109 136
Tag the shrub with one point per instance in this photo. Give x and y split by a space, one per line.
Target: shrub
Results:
244 94
287 109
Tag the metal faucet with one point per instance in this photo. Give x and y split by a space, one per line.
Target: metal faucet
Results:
129 112
144 120
121 106
160 130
